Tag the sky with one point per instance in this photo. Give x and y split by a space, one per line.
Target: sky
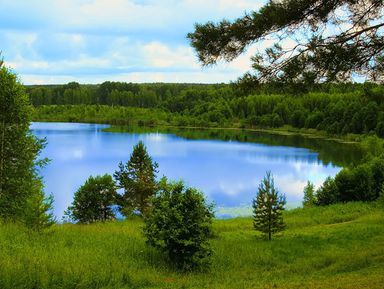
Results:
92 41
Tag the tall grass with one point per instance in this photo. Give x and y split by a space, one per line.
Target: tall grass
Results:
340 246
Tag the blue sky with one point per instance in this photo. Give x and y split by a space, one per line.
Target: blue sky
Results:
91 41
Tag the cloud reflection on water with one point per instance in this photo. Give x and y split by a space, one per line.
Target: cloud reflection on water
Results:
227 172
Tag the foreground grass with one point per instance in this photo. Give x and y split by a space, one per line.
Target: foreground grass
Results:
340 246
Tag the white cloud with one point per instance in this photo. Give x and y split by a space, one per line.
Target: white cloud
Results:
130 40
160 55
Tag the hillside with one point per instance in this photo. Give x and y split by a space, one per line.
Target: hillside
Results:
339 246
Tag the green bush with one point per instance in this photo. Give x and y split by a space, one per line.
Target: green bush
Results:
298 118
362 183
93 201
309 195
180 225
327 194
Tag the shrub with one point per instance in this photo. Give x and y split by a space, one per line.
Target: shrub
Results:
362 183
309 195
298 119
314 119
327 194
179 224
380 129
93 201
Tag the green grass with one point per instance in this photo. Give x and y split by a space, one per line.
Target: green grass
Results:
340 246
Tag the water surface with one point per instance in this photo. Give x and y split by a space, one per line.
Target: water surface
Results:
228 171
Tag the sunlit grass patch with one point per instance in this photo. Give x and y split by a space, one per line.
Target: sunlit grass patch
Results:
340 246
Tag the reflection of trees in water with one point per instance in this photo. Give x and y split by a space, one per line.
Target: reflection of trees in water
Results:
329 151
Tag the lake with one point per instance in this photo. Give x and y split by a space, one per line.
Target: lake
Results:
227 165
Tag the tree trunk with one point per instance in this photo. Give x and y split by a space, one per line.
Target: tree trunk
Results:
269 232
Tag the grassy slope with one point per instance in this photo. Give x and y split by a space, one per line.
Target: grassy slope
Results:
341 246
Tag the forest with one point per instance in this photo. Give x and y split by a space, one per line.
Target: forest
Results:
338 109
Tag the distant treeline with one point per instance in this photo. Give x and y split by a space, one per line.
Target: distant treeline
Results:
334 108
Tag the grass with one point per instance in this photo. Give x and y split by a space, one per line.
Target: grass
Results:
340 246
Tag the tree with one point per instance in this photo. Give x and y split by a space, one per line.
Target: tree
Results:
309 195
21 188
324 40
328 193
268 207
138 179
93 201
179 224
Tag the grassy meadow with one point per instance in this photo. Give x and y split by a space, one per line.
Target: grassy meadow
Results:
339 246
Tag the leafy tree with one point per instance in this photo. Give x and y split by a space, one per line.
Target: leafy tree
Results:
138 179
179 224
309 195
94 201
21 188
268 207
328 193
328 40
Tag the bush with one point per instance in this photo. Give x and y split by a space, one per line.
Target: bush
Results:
309 195
380 129
362 183
327 194
93 201
298 119
180 225
314 119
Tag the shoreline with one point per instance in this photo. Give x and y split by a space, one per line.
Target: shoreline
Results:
283 131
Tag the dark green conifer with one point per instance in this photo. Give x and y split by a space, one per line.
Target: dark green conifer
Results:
138 180
268 207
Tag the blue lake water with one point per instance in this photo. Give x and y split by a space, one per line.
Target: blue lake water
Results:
227 171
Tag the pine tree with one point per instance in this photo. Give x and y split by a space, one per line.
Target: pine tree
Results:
138 179
309 195
328 40
268 207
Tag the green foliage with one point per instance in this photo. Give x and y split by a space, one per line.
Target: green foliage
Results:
268 208
328 193
93 201
21 188
322 246
361 183
380 199
337 109
314 56
138 179
39 212
180 224
309 195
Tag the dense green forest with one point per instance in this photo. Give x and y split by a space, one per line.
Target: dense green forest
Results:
335 108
